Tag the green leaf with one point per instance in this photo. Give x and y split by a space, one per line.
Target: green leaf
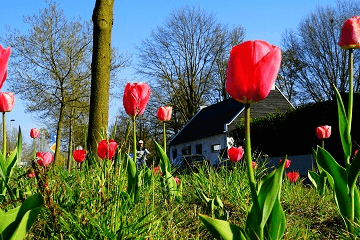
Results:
223 229
275 226
270 188
7 218
314 178
343 124
318 180
356 205
268 191
338 173
19 146
164 160
10 162
25 216
354 171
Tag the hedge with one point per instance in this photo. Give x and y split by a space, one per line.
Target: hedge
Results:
294 132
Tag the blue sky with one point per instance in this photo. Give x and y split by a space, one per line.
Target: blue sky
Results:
135 19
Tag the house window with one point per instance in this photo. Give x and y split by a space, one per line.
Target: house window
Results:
198 148
186 150
174 153
215 147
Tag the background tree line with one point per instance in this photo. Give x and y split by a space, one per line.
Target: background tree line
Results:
184 60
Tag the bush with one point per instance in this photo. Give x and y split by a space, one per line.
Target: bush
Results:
293 132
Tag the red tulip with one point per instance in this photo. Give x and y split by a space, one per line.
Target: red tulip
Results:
177 180
44 158
34 133
136 97
293 176
287 163
356 152
252 70
323 132
31 174
157 170
4 59
106 149
164 113
235 153
350 34
254 165
79 155
7 101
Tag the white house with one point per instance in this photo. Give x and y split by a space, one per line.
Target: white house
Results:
207 132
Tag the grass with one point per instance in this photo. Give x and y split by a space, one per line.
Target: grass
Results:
92 204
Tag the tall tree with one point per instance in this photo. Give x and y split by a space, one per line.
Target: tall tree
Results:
50 65
186 60
100 69
314 61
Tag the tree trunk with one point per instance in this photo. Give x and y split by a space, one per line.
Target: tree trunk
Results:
100 69
70 141
59 133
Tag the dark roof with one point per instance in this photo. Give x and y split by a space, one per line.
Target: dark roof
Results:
209 121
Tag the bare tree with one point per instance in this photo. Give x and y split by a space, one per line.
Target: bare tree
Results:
314 61
186 60
50 65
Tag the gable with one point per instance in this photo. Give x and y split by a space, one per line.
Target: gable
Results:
226 115
209 121
275 102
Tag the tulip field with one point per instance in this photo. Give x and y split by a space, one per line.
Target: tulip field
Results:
86 208
112 194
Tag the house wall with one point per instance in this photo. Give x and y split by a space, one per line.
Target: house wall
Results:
206 143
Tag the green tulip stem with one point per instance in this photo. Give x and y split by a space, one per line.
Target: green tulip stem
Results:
351 97
4 134
248 157
323 143
134 138
164 130
349 118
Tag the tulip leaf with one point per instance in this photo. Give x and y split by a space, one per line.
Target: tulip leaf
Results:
21 218
223 229
164 160
338 173
314 178
275 226
11 162
356 205
133 179
318 180
268 191
354 171
270 188
19 146
343 125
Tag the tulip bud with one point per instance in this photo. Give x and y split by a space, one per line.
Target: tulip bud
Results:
177 180
350 34
136 97
44 158
79 155
7 101
106 149
323 132
287 163
164 113
4 59
293 176
34 133
253 67
235 153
